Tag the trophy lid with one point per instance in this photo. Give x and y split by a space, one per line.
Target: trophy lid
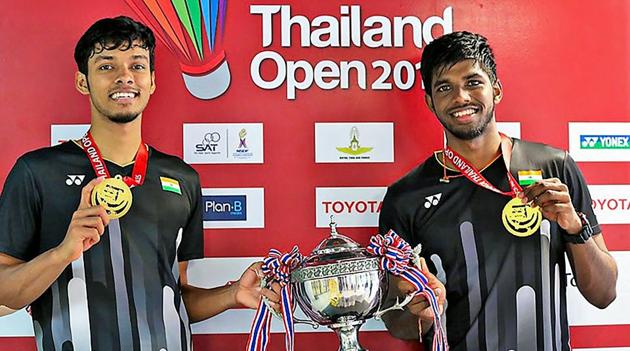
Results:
336 247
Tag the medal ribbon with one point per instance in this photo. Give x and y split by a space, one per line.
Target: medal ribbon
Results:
276 267
470 172
395 255
98 164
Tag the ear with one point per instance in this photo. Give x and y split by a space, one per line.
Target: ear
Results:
429 101
152 83
81 83
497 91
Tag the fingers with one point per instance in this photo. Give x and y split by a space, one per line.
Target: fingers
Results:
92 211
546 191
86 192
273 298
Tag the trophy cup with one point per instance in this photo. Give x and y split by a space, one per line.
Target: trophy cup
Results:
340 285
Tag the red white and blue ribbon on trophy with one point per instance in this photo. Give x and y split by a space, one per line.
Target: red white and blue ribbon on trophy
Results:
276 267
397 258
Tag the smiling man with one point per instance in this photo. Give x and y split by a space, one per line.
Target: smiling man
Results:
103 267
495 216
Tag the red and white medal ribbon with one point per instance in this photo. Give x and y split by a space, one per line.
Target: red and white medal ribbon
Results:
470 172
98 164
276 267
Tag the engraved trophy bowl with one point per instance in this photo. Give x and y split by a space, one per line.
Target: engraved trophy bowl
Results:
340 285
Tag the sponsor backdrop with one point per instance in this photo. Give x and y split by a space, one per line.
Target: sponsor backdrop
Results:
292 111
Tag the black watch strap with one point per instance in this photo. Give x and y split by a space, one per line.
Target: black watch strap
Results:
583 236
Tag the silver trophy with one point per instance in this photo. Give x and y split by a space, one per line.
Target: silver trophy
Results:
340 285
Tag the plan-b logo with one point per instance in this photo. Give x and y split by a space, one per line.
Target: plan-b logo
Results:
225 208
432 200
605 141
600 142
233 207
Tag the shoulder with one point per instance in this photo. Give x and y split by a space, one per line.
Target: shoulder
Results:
422 176
538 153
46 156
172 165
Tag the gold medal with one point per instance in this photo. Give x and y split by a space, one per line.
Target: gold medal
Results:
114 195
521 219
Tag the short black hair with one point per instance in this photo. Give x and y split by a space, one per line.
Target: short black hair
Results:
450 49
113 33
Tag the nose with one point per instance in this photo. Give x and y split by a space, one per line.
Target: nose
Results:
462 96
124 76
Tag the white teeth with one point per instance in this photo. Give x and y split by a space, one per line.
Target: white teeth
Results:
117 96
466 112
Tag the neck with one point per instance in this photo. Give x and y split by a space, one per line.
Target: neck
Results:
117 142
480 151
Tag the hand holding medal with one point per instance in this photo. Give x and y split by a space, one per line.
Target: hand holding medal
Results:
518 216
114 193
86 226
552 197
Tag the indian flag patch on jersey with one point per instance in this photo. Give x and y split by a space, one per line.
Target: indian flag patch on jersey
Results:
169 184
529 177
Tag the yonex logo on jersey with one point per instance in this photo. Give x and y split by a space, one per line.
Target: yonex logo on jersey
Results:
605 141
432 200
74 179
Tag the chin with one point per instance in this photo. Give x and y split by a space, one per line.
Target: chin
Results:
123 119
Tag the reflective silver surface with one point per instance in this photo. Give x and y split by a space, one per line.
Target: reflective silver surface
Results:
340 285
356 295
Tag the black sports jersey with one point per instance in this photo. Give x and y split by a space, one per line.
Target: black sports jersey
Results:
503 292
123 293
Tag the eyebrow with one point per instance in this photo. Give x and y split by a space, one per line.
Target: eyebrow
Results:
109 58
470 76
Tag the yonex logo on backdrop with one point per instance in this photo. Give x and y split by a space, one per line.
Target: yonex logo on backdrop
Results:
74 179
432 200
605 141
224 207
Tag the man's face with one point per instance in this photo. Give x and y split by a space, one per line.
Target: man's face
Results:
463 99
119 83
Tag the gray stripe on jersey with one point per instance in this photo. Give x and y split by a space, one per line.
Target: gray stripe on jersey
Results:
171 320
472 279
79 314
182 308
60 330
120 286
441 275
545 238
556 298
140 302
526 318
39 335
492 315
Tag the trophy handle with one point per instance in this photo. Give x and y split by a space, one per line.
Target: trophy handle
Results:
397 306
263 284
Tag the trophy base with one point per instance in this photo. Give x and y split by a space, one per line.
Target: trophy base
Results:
347 330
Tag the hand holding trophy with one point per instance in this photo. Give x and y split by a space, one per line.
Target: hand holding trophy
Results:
341 285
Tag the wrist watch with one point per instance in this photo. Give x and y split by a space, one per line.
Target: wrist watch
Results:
584 234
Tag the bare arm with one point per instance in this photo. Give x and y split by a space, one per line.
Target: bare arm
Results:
23 282
595 271
205 303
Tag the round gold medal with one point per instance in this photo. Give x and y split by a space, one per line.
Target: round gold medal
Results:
114 195
521 219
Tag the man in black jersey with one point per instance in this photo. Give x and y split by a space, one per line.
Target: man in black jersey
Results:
495 217
98 280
